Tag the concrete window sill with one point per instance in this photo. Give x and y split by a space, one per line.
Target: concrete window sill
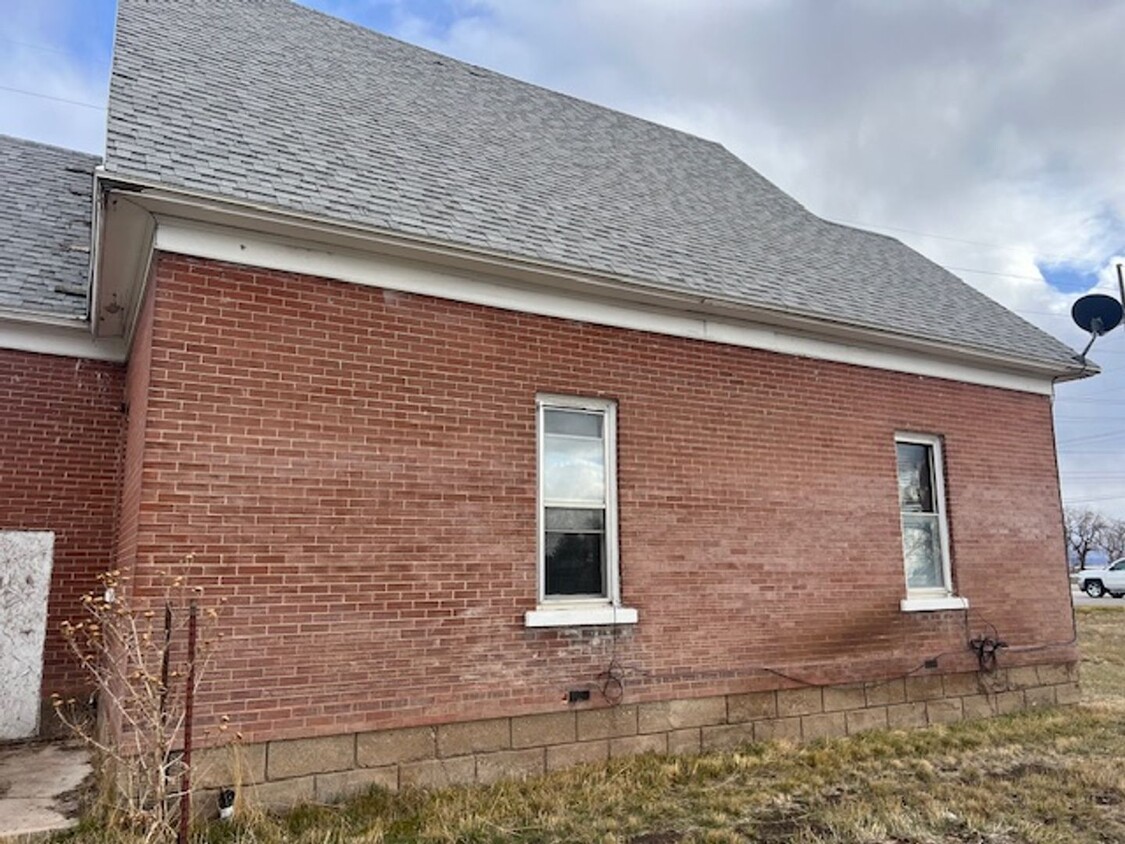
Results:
950 602
579 616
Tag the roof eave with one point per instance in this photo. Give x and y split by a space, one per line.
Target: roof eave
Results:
56 335
160 199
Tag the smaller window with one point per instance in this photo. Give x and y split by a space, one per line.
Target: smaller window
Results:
576 499
925 534
578 568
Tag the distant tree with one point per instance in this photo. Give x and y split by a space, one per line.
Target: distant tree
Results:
1085 532
1113 539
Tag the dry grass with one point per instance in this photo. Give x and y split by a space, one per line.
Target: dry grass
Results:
1035 777
1102 637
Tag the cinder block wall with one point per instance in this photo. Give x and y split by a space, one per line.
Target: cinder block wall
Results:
354 470
60 437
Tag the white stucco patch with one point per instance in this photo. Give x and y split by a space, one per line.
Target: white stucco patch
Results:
25 580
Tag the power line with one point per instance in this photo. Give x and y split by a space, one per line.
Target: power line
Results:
1059 258
1101 352
992 272
1008 247
1090 399
1038 313
50 97
32 46
1092 500
1105 435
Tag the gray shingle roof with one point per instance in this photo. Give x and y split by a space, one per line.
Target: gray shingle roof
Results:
274 103
45 228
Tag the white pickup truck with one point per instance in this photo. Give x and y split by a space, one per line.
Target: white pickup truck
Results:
1107 581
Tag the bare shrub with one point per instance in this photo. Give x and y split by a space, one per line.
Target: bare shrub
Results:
134 649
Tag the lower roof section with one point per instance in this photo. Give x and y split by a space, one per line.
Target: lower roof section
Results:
45 228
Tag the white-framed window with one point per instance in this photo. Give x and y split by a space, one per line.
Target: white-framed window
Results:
578 572
925 527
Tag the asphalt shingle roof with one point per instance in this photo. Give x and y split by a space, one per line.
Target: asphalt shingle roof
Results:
45 228
273 103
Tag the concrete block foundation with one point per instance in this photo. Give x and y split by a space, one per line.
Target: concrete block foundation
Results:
282 773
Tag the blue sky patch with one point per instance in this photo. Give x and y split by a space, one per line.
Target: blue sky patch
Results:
1067 278
389 16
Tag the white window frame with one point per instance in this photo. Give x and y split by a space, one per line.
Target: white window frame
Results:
567 611
941 597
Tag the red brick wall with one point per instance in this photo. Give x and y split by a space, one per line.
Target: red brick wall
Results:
60 432
355 470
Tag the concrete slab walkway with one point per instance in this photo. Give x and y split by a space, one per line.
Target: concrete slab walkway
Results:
38 785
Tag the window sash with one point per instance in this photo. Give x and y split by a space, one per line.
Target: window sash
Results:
606 504
913 521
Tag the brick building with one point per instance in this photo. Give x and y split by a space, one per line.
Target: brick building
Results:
515 431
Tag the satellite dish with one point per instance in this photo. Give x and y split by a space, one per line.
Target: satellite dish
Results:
1097 313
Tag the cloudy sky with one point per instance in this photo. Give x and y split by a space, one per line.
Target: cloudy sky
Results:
988 135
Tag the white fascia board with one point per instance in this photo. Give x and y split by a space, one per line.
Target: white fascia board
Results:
51 337
374 270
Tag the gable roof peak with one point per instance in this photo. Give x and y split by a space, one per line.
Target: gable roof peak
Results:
268 102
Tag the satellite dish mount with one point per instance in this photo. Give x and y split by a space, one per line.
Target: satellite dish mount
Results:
1099 314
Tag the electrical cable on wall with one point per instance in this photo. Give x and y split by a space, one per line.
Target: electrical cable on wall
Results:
612 680
986 648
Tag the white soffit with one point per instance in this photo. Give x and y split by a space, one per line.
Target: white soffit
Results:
374 270
122 265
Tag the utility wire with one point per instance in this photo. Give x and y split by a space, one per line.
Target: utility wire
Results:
1104 435
1089 399
1008 247
993 272
1098 418
1095 499
27 93
32 46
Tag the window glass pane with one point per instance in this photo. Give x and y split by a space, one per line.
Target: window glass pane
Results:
921 548
574 423
574 469
915 479
575 495
576 521
575 563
